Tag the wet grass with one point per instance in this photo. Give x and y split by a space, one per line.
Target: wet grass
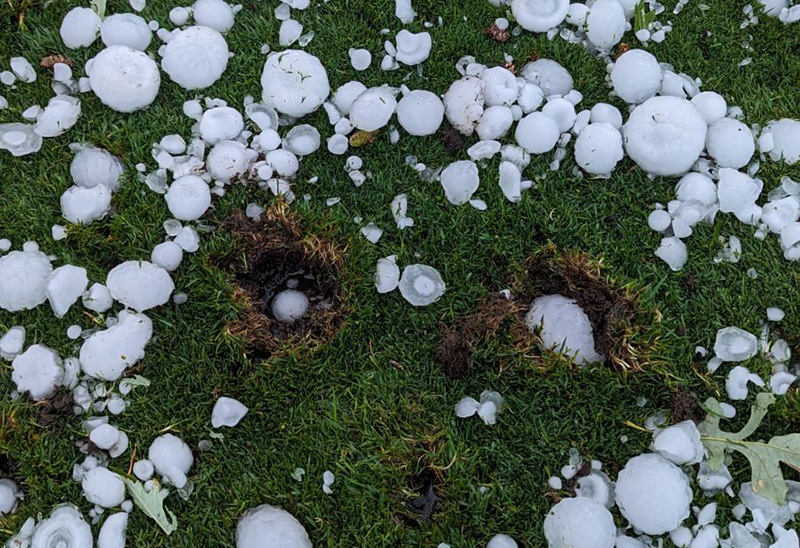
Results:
373 405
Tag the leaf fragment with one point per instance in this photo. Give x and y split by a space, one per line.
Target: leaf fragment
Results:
152 504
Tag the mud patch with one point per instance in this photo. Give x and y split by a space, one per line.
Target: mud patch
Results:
684 407
423 501
277 253
453 141
55 409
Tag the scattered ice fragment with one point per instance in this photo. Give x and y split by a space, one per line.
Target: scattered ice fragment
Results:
23 280
673 252
9 496
579 523
19 139
196 57
64 287
79 28
98 298
106 354
295 82
227 412
85 205
421 284
289 305
785 134
387 275
736 383
490 405
290 32
327 480
23 69
171 458
565 327
61 113
597 487
510 181
140 285
267 526
680 443
104 436
467 407
659 220
124 79
735 345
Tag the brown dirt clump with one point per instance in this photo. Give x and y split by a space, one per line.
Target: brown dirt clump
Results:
684 407
271 255
58 407
453 141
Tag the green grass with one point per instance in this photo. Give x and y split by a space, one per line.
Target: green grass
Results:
373 406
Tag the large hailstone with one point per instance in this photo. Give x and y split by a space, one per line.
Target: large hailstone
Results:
124 79
227 160
108 353
188 198
636 76
373 109
460 180
213 13
605 24
60 114
598 149
140 285
65 528
126 29
420 112
653 494
83 206
565 327
80 28
463 104
196 57
95 166
103 487
579 523
172 458
269 527
23 280
731 143
665 135
500 87
551 77
537 133
220 123
539 15
680 443
785 140
112 533
421 284
294 82
37 371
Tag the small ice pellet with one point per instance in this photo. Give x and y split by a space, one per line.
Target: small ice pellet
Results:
180 298
61 72
332 201
555 483
775 314
127 506
501 23
58 232
74 331
659 220
327 480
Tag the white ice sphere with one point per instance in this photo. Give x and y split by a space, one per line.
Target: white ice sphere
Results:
227 412
420 112
679 443
539 15
167 255
653 494
711 105
213 13
294 82
579 523
565 327
124 79
673 251
188 198
731 143
37 371
598 148
143 469
103 487
302 140
501 541
460 180
696 187
421 284
537 133
85 205
196 57
112 532
636 76
64 287
98 298
735 345
228 159
603 112
266 526
179 16
61 113
605 24
786 140
171 458
562 112
220 123
500 87
80 28
360 59
665 135
65 527
126 29
737 381
283 162
463 104
659 220
12 342
495 123
775 314
9 496
289 305
373 109
23 280
104 436
778 214
551 77
412 49
108 353
737 191
345 95
95 166
140 285
387 274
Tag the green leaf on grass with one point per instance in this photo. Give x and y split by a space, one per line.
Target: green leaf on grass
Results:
641 17
99 7
138 380
765 458
152 504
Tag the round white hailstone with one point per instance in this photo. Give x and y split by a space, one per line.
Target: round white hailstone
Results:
539 15
220 123
179 16
80 28
19 139
680 443
495 123
659 220
730 143
550 76
227 160
283 162
565 327
606 24
167 255
579 523
562 112
598 149
61 113
188 198
65 527
269 527
360 59
112 532
387 275
302 140
345 95
636 76
696 187
294 82
269 139
460 180
9 496
373 109
83 206
37 371
603 112
786 140
227 412
103 487
169 455
499 87
653 494
338 144
421 284
213 13
412 49
711 106
665 135
140 285
126 29
463 104
537 133
124 79
196 57
289 305
143 469
104 436
23 280
98 298
502 541
95 166
420 112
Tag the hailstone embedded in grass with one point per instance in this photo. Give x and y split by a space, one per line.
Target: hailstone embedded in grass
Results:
65 528
387 274
605 113
23 280
636 76
213 13
579 523
679 443
266 526
731 143
171 458
220 123
539 15
673 252
124 79
23 69
420 112
104 436
227 412
64 287
196 57
283 162
463 104
421 284
289 305
696 187
140 285
80 27
126 29
562 112
294 82
735 345
565 327
19 139
373 108
737 381
103 487
537 133
108 353
413 49
598 149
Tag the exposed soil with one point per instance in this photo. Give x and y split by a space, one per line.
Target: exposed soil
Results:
55 409
422 507
277 253
453 141
684 407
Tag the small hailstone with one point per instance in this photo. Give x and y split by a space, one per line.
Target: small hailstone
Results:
387 275
298 474
58 232
188 239
143 469
372 232
360 59
491 403
289 305
460 180
579 522
227 412
735 345
679 443
555 483
289 32
74 331
673 252
736 383
775 314
98 298
327 480
103 487
467 407
421 284
180 298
